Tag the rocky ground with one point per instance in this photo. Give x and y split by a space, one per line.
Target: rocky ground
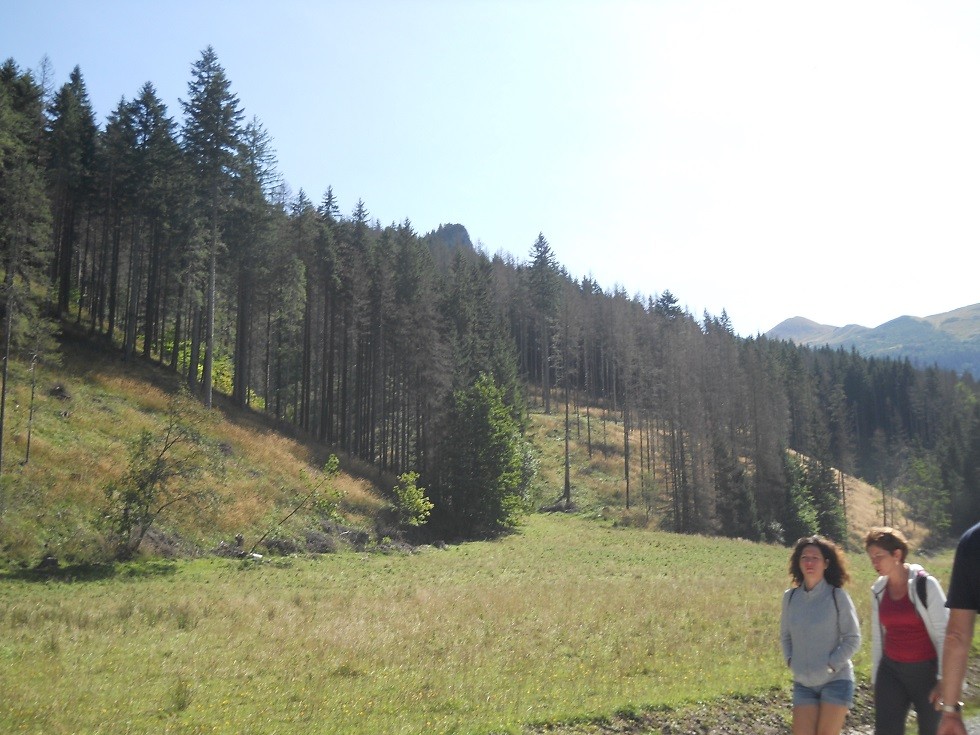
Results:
762 715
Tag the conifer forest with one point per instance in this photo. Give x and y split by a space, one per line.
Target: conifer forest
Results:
168 235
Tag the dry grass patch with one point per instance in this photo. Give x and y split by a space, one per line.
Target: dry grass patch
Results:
81 439
266 447
597 480
147 396
864 510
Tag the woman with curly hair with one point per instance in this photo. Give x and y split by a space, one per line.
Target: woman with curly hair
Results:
820 632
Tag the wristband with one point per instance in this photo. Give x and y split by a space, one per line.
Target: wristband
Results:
958 707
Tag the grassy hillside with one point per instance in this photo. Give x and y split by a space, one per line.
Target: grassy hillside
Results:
88 409
599 486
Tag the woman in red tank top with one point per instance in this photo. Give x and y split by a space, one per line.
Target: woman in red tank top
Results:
908 624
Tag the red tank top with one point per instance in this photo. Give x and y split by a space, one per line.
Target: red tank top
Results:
906 637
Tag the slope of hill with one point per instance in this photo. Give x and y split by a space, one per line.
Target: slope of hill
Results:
88 410
85 416
599 486
950 340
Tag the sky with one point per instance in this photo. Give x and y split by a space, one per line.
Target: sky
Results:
768 158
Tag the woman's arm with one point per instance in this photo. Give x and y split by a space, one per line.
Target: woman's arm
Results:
876 641
785 637
850 632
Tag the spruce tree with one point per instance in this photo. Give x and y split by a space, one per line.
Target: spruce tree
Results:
251 229
72 138
482 487
24 222
544 283
212 140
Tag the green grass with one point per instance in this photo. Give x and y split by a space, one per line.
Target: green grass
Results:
568 619
573 618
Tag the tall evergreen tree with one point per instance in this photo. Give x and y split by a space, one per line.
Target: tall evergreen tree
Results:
72 138
251 228
822 481
153 162
24 220
544 281
800 517
212 139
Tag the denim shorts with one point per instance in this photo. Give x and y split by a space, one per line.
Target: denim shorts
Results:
837 691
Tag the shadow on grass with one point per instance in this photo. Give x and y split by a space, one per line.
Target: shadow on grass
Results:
80 573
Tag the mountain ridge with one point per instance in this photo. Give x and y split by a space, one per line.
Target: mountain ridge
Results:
949 340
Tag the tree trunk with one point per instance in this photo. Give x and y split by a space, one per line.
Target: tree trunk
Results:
209 323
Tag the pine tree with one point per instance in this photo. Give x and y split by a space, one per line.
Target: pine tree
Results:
72 137
422 352
212 140
800 517
152 162
251 229
482 489
822 482
544 283
24 222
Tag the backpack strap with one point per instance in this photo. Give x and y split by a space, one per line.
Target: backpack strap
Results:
920 587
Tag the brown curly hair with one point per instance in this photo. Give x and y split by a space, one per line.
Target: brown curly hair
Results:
836 574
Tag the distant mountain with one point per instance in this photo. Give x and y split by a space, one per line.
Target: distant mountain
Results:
446 241
950 340
452 236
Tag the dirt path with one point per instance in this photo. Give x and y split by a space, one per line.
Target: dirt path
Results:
972 728
762 715
709 721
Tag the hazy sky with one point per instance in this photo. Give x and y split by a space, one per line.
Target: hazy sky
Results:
773 159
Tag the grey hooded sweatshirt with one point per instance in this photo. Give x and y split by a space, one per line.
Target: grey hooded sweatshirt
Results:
820 632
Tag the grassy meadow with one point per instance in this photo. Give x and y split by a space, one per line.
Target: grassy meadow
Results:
568 619
572 618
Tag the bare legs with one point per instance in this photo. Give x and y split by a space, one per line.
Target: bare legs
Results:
825 719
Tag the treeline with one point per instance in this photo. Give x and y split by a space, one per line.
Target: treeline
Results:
180 243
